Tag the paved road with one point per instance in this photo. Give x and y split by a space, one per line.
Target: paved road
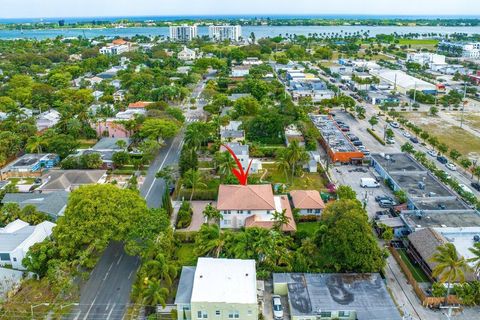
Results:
107 292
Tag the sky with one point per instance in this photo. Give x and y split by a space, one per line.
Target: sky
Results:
110 8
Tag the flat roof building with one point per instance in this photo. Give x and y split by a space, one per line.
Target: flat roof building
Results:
403 82
183 33
332 295
218 288
222 33
32 162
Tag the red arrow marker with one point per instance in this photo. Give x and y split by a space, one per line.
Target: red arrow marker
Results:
242 176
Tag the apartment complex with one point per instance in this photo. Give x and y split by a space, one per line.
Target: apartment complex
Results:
221 33
218 289
469 50
183 33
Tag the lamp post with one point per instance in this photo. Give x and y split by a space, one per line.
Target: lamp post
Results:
37 305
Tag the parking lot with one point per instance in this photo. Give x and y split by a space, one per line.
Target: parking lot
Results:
350 175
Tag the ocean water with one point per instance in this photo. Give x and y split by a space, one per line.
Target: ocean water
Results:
259 31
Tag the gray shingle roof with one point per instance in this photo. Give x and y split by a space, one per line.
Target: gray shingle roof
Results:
10 241
66 179
52 203
110 144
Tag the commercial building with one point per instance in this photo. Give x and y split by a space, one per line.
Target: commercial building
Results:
303 85
218 289
221 33
403 82
429 201
380 98
252 206
469 50
427 59
32 162
17 237
339 148
183 33
313 296
53 203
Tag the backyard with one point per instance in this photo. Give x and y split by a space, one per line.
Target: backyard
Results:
416 271
307 181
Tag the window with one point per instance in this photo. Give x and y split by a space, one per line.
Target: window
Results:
202 315
186 308
344 314
249 211
240 211
217 313
233 315
309 211
199 314
325 314
317 211
15 259
268 211
249 312
4 256
226 222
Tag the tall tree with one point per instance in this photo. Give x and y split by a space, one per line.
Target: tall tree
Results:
193 180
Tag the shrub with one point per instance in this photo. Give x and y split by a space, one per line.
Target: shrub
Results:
184 217
376 136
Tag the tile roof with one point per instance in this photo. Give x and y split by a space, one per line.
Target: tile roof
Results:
307 199
249 197
139 104
291 226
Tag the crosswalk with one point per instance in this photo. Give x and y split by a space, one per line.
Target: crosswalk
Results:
190 120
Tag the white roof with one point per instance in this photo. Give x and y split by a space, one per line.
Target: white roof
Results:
462 239
403 80
225 280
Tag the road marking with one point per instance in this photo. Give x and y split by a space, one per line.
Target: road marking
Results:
130 275
108 272
119 259
110 313
160 168
91 306
78 315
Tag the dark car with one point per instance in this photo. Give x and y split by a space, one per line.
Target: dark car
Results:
384 197
442 159
476 186
414 139
357 143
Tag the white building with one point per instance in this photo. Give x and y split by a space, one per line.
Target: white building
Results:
47 119
403 82
113 50
426 58
187 54
467 50
252 206
183 33
17 237
221 33
240 71
243 155
218 289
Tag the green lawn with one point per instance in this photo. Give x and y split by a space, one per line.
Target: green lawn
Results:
15 181
416 271
311 181
418 42
307 227
185 254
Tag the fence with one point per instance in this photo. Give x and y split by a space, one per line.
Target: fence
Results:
426 301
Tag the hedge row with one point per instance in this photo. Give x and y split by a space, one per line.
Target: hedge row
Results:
376 136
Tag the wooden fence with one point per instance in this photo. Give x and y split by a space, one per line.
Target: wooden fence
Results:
427 301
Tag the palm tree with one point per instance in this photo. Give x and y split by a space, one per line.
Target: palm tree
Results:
281 219
224 163
34 144
476 259
211 213
161 269
193 139
295 155
283 164
209 241
450 266
193 180
154 294
121 144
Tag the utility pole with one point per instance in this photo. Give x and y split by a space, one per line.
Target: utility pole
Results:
464 102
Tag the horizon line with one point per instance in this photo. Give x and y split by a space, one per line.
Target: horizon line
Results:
259 15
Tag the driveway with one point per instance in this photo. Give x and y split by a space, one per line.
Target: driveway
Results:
197 218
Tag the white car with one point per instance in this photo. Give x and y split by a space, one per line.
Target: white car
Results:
433 153
277 307
451 166
394 125
406 134
391 141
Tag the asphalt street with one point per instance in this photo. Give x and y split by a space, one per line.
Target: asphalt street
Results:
107 292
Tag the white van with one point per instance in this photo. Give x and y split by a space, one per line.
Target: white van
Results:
465 188
369 183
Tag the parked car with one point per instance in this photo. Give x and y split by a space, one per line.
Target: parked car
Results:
414 139
277 307
394 125
357 143
369 183
391 141
384 197
442 159
451 166
476 186
366 152
465 188
433 153
406 134
345 129
386 203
